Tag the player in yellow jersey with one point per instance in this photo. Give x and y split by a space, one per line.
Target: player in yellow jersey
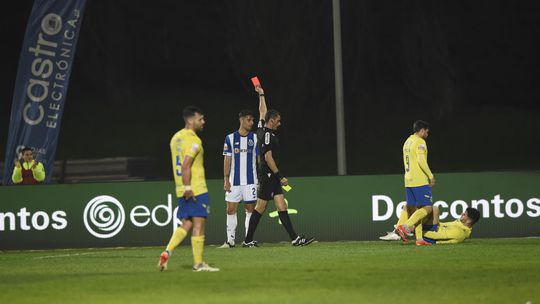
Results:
193 201
452 232
418 181
448 232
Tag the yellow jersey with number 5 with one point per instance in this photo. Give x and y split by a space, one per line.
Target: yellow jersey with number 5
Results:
186 143
417 172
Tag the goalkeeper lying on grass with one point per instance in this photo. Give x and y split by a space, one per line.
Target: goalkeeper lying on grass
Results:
435 232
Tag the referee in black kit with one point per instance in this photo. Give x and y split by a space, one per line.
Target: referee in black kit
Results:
270 180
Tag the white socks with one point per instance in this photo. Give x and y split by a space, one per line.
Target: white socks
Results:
248 216
232 222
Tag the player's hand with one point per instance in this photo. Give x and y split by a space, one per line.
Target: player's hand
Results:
227 185
259 90
35 164
284 181
17 164
432 182
188 195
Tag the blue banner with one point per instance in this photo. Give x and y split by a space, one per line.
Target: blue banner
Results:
42 81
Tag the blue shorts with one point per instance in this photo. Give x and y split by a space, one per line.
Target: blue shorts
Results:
419 196
194 207
434 228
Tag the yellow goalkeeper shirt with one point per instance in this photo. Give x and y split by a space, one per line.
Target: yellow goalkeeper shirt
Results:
186 143
417 172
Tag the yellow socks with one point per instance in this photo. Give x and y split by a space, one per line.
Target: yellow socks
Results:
197 244
418 232
403 217
416 217
177 238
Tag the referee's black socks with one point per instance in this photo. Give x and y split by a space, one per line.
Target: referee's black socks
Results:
286 221
253 222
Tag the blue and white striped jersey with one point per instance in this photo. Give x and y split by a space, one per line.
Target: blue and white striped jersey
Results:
244 151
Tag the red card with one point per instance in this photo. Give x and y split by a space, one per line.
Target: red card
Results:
255 81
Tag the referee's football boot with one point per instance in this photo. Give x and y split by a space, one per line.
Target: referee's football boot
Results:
226 245
251 244
302 241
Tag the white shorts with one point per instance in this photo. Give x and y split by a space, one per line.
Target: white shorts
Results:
247 194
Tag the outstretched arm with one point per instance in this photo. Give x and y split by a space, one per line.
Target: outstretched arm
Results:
262 102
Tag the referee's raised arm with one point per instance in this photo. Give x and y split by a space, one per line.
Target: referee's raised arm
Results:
262 102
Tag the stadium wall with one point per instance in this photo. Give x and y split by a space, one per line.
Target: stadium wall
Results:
329 208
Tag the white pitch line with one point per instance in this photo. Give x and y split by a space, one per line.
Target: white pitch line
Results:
63 255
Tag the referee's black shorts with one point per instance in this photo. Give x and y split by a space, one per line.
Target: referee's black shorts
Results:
269 186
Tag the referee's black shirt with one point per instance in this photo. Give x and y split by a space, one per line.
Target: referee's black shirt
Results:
267 141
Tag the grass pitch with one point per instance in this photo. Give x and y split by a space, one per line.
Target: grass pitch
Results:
478 271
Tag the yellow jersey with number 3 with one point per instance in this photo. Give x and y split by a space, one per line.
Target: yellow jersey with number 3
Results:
417 172
186 143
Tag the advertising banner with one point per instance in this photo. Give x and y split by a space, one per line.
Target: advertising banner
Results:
42 81
328 208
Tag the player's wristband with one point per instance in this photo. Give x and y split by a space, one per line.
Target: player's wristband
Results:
278 176
261 95
187 188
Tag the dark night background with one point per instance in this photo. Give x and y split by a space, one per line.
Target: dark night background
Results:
470 68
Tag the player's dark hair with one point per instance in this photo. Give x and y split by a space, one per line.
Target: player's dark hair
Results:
419 125
473 214
26 149
271 114
190 111
244 113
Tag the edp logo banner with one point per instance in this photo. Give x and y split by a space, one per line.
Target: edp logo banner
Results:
42 81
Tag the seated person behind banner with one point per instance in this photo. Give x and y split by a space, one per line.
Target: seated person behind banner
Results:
28 171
